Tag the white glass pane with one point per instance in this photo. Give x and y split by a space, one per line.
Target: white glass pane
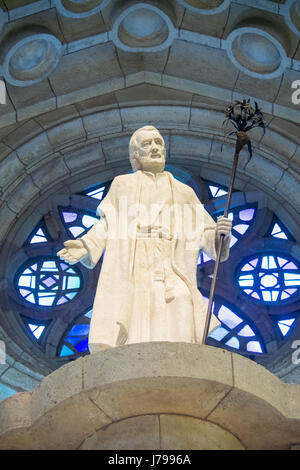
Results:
254 346
276 229
233 343
281 261
284 328
88 221
31 299
76 231
218 333
274 294
49 264
246 331
241 228
213 190
24 281
266 295
37 333
288 322
268 280
255 295
247 267
233 241
38 239
229 318
280 235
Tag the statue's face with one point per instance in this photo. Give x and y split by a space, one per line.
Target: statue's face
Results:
151 151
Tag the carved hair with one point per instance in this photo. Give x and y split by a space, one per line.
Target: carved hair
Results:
133 146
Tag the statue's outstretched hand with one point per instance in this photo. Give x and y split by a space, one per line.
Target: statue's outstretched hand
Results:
74 250
223 227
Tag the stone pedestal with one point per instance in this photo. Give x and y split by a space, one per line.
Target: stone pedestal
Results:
155 396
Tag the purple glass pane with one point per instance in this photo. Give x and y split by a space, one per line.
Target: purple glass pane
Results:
34 267
24 292
69 216
290 266
49 281
290 291
253 262
62 300
246 214
63 266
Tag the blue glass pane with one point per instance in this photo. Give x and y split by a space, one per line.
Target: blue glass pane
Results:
218 333
73 339
82 346
89 314
80 330
65 351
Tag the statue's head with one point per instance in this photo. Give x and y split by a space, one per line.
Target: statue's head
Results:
147 150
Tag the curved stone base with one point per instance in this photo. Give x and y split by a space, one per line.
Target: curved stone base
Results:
155 396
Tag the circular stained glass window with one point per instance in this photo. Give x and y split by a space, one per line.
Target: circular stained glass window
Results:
48 282
269 277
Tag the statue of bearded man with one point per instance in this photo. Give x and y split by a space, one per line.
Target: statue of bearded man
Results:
151 227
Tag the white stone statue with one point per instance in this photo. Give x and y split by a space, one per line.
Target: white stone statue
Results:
151 227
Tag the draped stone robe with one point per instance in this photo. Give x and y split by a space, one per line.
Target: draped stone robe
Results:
152 227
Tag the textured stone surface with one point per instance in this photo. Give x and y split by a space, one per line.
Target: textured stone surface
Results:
139 432
184 432
167 392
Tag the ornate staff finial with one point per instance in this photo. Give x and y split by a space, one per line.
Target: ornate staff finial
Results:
244 117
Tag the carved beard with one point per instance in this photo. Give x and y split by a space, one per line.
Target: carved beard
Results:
152 163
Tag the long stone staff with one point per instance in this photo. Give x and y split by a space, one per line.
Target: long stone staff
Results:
244 117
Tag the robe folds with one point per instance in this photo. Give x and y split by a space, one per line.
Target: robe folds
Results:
124 291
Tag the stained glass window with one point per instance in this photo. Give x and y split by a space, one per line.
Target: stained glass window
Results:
278 230
269 278
217 191
75 341
97 191
36 330
77 222
47 281
39 235
285 325
242 217
235 331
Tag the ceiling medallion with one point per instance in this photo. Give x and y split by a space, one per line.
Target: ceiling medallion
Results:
143 28
256 52
30 56
80 8
291 12
205 7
